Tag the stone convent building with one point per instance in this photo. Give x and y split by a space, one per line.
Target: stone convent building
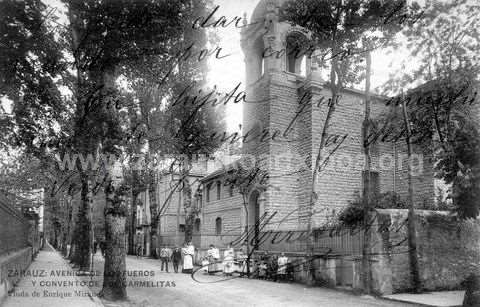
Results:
287 98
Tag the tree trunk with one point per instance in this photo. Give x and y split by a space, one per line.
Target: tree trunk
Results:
73 243
133 224
189 214
412 235
114 279
83 232
55 237
116 211
366 265
64 244
68 221
187 199
154 217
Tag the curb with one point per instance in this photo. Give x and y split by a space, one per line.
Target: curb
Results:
413 303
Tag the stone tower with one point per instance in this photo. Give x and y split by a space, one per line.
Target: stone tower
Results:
283 123
277 77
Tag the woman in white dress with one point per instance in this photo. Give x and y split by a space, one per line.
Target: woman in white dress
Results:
213 256
241 262
228 257
188 252
282 267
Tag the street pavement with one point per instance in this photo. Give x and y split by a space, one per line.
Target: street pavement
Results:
148 286
181 290
38 279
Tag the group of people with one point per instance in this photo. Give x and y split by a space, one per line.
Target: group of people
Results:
274 267
232 262
178 255
102 245
268 267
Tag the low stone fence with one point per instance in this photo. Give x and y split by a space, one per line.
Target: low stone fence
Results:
448 251
11 267
19 242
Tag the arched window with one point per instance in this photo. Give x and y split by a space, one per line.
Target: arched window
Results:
258 60
219 190
297 50
197 225
199 202
207 192
218 225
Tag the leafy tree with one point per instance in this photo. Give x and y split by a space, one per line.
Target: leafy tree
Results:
109 39
444 45
31 72
105 40
105 37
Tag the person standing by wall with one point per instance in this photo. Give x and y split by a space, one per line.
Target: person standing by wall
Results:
272 268
282 267
241 259
164 257
139 245
228 257
213 257
176 258
188 254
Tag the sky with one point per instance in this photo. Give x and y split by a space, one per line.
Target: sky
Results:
228 72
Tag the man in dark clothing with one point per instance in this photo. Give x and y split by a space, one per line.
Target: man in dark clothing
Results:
176 258
273 268
103 247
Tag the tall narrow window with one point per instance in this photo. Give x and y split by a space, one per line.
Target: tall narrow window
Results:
197 225
207 192
374 182
218 225
257 68
230 190
296 54
219 190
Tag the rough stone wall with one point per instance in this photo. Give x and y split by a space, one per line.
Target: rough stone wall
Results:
284 167
341 178
448 250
